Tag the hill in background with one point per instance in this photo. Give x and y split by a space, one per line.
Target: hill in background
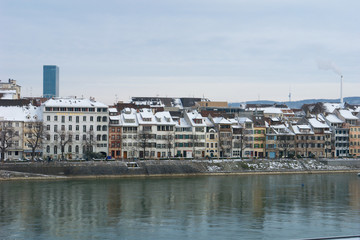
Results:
298 104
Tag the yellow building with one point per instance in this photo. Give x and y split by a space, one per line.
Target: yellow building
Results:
354 141
259 142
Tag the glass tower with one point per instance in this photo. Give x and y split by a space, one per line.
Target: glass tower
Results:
50 81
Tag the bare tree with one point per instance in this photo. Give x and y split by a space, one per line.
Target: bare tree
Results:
65 138
243 139
225 143
286 144
144 138
169 143
36 133
7 134
89 143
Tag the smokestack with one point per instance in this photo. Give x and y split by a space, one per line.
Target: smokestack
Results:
341 97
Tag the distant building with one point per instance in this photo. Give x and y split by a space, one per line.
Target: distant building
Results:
50 81
9 90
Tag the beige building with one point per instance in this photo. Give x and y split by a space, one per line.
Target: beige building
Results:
212 104
9 90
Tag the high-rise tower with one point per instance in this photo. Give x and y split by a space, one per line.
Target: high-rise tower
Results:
50 81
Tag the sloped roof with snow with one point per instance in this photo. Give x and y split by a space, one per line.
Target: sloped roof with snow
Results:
347 115
302 129
244 120
331 107
73 102
317 124
332 118
221 120
182 123
164 118
113 110
23 113
195 115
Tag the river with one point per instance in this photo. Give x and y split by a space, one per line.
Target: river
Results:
206 207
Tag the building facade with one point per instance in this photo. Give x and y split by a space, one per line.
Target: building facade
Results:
74 128
50 81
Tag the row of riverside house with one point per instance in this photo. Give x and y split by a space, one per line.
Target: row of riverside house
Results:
77 128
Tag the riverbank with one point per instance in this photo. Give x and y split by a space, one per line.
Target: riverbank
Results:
156 168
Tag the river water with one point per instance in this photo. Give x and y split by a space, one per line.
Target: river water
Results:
207 207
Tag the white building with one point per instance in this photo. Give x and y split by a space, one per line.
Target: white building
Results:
82 123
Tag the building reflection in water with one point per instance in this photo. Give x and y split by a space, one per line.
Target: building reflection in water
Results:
79 208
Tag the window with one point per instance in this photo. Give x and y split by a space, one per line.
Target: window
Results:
48 118
48 149
62 127
55 128
70 149
77 119
84 128
70 127
77 127
104 137
70 118
77 149
84 118
55 118
104 119
91 118
77 137
84 137
104 128
91 127
62 119
48 127
55 149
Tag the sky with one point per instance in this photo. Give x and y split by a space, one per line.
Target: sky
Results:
224 50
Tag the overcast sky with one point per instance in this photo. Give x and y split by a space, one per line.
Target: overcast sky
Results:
233 50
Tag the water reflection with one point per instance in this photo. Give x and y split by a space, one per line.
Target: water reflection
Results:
275 206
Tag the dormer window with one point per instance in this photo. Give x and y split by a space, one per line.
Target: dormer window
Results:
198 121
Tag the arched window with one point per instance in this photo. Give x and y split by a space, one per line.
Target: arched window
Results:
48 149
70 149
104 128
77 148
98 128
104 119
104 137
55 149
98 119
98 137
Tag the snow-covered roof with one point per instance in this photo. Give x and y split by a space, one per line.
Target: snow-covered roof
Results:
208 122
128 118
243 120
146 117
347 115
73 102
21 113
270 110
331 107
113 110
221 120
332 118
302 129
194 115
182 123
164 118
317 124
281 129
7 94
177 103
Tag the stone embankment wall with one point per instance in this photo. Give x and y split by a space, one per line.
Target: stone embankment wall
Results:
163 167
